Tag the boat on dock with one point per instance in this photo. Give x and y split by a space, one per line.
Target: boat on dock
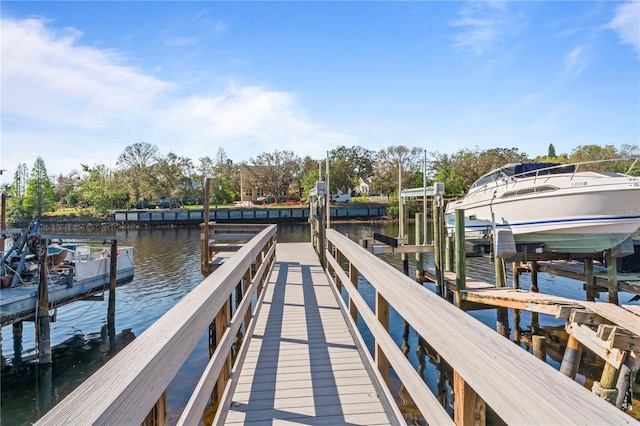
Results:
77 267
557 206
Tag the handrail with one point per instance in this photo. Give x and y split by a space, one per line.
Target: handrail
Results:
125 389
515 384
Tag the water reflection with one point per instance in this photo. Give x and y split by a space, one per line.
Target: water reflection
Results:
167 268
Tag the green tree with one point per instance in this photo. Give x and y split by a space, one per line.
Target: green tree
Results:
138 159
309 175
227 178
590 153
386 173
551 151
460 170
39 196
173 176
277 172
64 186
348 166
16 192
102 187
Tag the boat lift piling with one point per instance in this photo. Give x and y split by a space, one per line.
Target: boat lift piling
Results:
43 326
111 310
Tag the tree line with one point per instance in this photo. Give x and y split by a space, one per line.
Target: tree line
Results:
142 173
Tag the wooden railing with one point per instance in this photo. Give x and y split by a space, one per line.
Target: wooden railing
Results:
487 368
126 389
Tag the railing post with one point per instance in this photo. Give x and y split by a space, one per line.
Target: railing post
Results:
158 414
469 408
222 321
338 257
327 265
353 276
246 282
382 313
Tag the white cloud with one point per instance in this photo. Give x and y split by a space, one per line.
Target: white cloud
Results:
483 23
182 41
626 23
47 76
575 62
219 27
59 96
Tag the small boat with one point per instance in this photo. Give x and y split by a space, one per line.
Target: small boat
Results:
555 206
75 269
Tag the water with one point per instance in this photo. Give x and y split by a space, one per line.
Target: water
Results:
167 268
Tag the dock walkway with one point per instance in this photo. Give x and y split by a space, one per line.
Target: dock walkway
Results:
303 364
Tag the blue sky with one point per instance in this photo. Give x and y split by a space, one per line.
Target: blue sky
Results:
82 80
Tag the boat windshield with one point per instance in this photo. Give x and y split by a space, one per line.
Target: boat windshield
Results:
524 170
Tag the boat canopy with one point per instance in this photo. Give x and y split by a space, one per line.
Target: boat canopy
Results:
524 170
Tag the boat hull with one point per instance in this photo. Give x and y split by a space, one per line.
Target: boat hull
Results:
582 215
92 275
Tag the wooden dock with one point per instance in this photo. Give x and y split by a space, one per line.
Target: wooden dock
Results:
302 360
303 364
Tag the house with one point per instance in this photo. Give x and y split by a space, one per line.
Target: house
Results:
252 188
363 187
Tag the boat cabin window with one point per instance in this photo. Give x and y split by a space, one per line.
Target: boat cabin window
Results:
530 190
522 170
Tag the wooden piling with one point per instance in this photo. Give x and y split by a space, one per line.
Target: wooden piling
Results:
612 278
17 342
539 348
516 274
517 331
44 384
571 358
419 240
42 320
449 256
460 255
589 280
382 313
204 238
111 310
436 214
624 383
469 408
533 265
502 322
442 244
609 376
606 387
498 264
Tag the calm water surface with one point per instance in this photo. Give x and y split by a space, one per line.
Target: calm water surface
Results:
167 268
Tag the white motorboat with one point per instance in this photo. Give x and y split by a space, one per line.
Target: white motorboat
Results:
75 270
555 205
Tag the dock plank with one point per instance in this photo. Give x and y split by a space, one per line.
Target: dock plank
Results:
303 365
616 315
